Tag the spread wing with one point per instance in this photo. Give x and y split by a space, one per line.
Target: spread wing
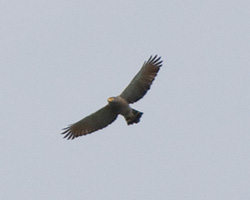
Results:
91 123
141 83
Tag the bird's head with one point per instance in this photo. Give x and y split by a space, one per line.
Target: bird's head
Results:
111 99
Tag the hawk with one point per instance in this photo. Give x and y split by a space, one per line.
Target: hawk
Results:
136 89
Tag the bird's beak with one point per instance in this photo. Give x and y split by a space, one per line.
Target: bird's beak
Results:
110 99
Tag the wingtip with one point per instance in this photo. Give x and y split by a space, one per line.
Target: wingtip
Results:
155 60
68 134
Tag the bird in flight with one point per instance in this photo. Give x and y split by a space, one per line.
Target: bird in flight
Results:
136 89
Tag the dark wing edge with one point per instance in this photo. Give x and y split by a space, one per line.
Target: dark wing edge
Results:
96 121
142 81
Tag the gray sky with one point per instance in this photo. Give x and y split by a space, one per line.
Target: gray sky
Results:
61 60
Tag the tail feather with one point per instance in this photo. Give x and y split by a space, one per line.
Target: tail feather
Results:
135 118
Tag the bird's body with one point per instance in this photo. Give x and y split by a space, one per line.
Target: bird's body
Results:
122 107
137 88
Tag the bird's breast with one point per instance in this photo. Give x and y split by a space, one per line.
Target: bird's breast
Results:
120 106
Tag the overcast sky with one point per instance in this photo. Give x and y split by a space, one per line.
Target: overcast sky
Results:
61 60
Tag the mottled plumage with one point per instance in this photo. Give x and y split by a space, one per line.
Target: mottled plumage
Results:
136 89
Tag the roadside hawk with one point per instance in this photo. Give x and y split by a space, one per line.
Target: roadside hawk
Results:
136 89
